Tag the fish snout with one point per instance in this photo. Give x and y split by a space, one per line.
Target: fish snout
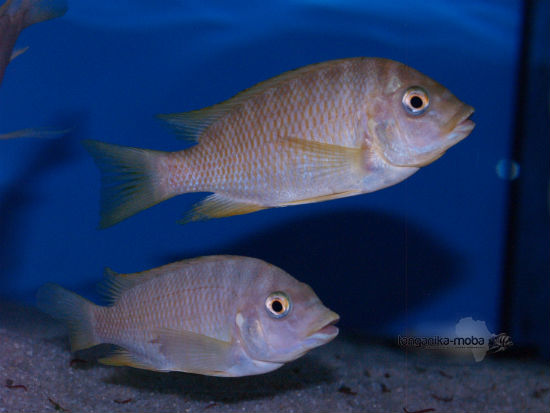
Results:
324 330
461 124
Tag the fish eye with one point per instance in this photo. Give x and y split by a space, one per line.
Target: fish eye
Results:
278 304
416 100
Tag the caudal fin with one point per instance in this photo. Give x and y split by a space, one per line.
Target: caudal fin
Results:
75 311
130 180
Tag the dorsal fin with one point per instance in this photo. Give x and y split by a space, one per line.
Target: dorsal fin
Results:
191 125
114 284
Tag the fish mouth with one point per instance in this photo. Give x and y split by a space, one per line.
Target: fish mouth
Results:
321 333
461 125
324 331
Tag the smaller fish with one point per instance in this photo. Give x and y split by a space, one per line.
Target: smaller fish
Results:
216 315
16 15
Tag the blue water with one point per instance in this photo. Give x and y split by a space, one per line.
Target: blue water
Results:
417 256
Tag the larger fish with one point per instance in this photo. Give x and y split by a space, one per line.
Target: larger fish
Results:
217 315
325 131
16 15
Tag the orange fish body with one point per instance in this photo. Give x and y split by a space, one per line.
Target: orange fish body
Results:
321 132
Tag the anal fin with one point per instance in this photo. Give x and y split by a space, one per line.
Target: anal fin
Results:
125 358
219 206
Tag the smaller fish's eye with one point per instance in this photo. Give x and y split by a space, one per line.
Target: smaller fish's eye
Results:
416 100
277 304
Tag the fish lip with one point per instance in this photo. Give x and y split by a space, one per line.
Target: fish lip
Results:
327 330
461 127
462 124
462 130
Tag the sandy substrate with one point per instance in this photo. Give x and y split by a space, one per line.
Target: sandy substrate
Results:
349 374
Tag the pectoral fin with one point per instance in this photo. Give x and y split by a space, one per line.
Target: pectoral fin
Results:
310 161
318 159
193 352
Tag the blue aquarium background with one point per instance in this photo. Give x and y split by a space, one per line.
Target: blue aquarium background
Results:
415 257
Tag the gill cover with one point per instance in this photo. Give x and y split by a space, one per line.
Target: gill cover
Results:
253 337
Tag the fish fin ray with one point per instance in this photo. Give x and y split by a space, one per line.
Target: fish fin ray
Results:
18 52
190 125
109 272
130 181
322 160
277 81
75 311
193 352
114 285
219 206
123 357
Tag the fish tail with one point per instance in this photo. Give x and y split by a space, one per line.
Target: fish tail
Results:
75 311
130 180
42 10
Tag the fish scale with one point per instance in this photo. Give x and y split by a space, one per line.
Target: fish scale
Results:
325 131
208 315
133 322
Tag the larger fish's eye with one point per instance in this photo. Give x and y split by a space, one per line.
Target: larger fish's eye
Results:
416 100
278 304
